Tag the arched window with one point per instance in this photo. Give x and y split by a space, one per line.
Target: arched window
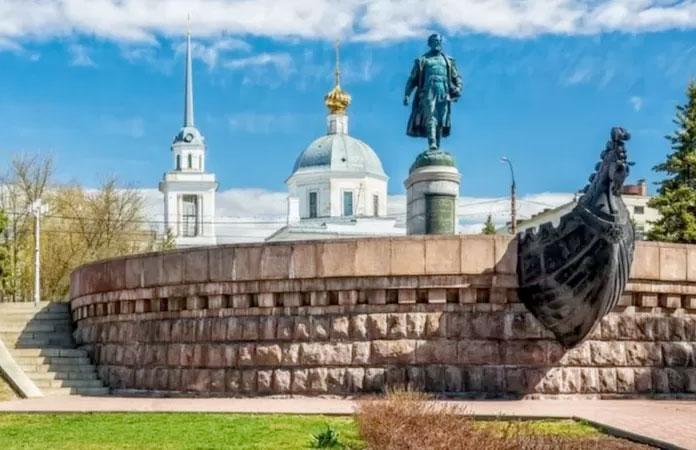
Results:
178 162
190 161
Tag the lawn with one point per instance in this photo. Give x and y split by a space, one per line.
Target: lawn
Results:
204 431
167 431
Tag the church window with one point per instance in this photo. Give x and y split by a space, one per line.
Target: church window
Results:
178 162
312 205
190 161
347 203
375 205
189 217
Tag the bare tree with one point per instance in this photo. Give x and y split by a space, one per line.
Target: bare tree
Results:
81 225
26 181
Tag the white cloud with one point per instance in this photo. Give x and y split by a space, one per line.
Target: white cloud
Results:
80 56
210 53
281 60
244 215
135 54
373 20
636 102
268 69
10 45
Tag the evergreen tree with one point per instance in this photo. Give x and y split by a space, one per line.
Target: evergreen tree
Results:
488 227
676 199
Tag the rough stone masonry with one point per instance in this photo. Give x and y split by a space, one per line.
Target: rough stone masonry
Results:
351 316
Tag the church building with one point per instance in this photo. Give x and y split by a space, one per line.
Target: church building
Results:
338 187
189 191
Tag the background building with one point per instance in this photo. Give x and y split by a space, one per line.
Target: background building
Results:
635 196
338 187
189 191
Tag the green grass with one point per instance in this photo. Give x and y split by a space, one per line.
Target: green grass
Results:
204 431
168 431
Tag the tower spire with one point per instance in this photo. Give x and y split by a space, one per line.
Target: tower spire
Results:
188 106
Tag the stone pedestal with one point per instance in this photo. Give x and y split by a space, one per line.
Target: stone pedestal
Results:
431 192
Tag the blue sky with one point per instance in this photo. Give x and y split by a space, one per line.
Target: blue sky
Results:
101 87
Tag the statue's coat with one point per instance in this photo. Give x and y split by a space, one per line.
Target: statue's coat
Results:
416 122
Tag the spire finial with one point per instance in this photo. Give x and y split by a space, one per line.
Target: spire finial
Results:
188 105
337 100
188 24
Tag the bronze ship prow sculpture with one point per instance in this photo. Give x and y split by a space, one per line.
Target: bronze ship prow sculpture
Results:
571 275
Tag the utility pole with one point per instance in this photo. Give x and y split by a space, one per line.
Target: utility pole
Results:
513 197
37 209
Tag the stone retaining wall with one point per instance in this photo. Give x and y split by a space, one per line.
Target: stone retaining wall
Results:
341 317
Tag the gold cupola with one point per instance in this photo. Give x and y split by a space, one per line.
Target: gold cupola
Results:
337 100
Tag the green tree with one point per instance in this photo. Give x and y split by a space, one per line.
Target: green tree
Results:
81 225
488 227
167 241
676 199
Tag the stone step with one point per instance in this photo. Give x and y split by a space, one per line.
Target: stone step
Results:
36 327
29 307
31 368
41 343
61 383
53 352
76 391
11 336
52 360
15 317
74 375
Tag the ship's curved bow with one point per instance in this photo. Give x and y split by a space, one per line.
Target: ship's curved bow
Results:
571 275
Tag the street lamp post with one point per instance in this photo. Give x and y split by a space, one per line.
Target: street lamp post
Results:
37 208
513 195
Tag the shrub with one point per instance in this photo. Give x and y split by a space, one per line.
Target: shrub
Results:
404 420
325 439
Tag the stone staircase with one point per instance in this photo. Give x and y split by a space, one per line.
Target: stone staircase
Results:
40 341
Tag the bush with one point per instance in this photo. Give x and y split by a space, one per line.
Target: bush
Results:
325 439
406 420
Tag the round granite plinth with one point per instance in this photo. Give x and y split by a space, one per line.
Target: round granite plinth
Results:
431 199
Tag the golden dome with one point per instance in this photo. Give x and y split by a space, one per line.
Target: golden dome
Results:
337 100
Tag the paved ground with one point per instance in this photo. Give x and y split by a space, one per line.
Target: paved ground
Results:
662 421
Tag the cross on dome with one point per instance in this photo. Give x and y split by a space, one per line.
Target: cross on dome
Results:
337 100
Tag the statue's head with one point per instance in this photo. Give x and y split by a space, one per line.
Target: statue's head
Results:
435 42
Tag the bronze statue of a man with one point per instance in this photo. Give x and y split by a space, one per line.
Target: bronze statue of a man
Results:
437 84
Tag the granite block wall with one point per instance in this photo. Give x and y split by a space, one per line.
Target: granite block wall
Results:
352 316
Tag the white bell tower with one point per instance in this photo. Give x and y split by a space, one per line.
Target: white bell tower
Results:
189 192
